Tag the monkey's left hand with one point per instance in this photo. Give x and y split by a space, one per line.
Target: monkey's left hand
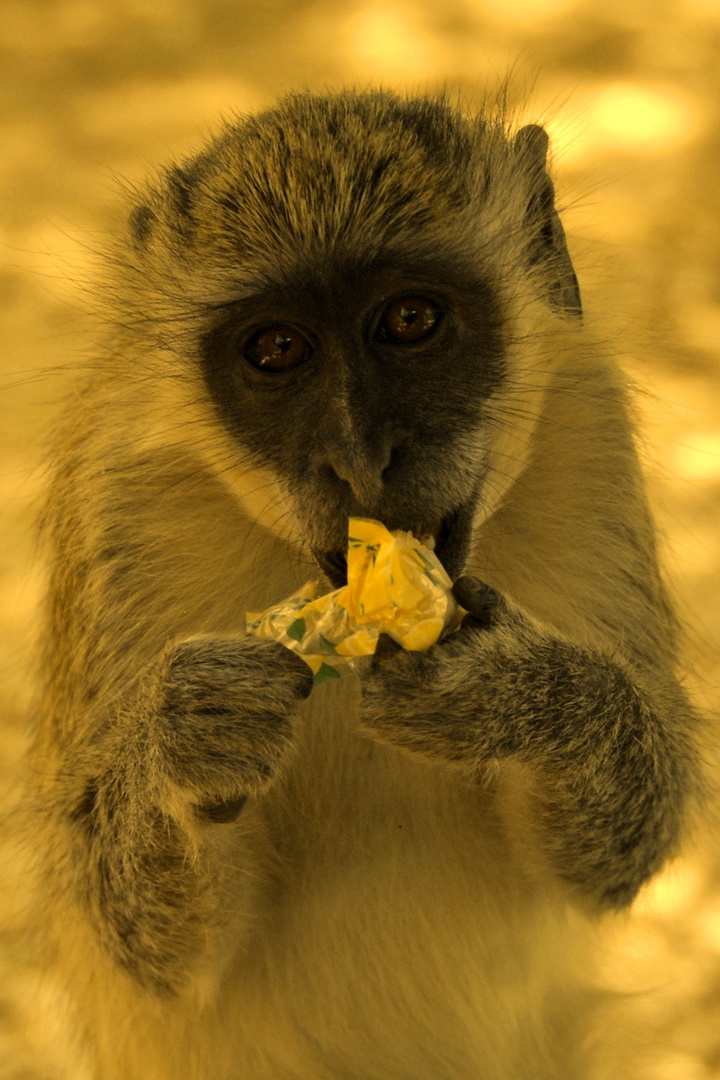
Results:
458 700
612 749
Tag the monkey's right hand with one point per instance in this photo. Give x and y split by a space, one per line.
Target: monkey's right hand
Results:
223 716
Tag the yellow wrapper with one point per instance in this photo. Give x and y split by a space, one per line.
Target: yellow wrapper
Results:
395 586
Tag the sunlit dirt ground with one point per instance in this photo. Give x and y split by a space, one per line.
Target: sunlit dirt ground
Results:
629 89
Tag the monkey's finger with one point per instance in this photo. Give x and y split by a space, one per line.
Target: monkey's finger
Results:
385 649
484 604
302 671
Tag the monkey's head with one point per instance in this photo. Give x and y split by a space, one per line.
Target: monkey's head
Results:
369 295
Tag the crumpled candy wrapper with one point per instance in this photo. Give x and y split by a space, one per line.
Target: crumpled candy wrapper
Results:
396 586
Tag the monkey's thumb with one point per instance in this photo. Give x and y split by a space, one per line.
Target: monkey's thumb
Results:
483 603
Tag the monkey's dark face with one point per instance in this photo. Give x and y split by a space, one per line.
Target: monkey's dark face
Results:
362 388
354 261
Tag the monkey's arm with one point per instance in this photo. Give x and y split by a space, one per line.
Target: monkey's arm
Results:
149 733
614 753
205 727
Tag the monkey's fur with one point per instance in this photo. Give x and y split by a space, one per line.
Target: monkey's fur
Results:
379 879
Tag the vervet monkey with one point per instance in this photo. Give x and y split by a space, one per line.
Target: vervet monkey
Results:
351 304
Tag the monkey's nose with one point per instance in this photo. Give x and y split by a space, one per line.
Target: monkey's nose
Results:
364 477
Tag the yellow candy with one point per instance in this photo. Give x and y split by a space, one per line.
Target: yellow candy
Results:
395 586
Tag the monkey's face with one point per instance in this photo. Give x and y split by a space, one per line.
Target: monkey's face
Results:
361 387
366 274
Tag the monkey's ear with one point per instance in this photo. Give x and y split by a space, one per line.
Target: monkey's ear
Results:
547 243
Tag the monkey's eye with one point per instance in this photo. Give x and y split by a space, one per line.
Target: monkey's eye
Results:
278 348
410 319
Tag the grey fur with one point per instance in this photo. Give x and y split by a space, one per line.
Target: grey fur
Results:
373 881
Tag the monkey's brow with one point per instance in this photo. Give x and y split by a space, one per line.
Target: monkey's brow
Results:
382 273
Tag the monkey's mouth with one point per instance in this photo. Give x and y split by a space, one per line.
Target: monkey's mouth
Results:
450 538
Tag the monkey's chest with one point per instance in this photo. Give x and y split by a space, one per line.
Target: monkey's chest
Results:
350 805
396 917
373 844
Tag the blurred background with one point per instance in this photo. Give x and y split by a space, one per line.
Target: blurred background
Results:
629 90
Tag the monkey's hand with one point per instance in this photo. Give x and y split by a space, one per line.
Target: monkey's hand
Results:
223 716
612 752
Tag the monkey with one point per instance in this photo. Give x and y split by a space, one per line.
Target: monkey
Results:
350 304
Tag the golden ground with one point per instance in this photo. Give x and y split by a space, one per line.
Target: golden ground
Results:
630 92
